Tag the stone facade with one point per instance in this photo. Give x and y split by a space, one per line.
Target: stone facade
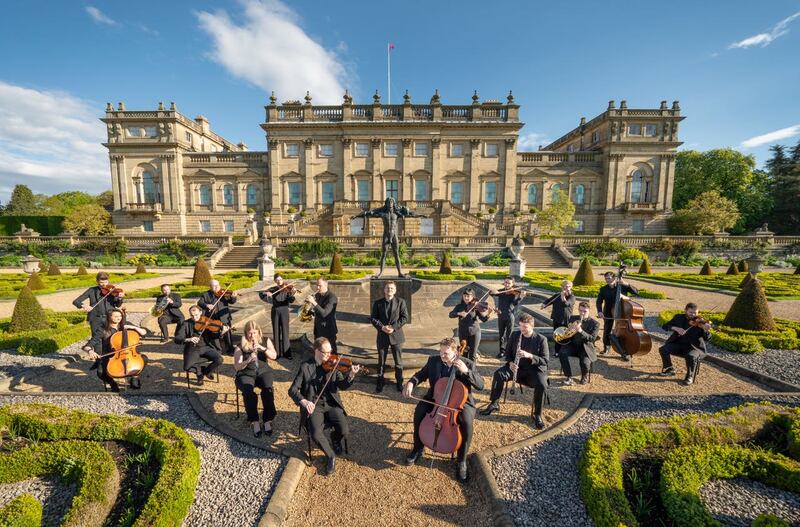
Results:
457 165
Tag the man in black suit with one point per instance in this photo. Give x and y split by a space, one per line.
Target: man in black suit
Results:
324 304
581 345
688 340
442 366
562 303
469 322
281 298
606 300
220 310
389 315
199 347
506 302
97 310
319 400
172 311
529 355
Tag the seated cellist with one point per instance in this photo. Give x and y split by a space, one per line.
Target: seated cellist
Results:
115 321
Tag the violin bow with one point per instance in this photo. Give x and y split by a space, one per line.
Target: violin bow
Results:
478 302
327 380
101 299
433 403
214 305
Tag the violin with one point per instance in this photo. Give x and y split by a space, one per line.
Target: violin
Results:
111 290
206 323
125 360
439 429
482 306
341 363
224 293
699 321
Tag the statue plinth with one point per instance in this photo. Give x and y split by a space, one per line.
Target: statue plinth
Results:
404 291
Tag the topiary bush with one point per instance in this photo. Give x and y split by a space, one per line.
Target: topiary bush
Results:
28 313
732 269
81 271
797 271
53 270
585 274
140 269
706 270
750 310
744 267
769 520
445 267
202 274
35 282
747 277
336 265
645 267
23 511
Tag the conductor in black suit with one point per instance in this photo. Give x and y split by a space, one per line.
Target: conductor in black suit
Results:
581 345
324 303
389 315
172 311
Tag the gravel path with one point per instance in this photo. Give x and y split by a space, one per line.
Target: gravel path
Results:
541 483
735 502
236 480
54 495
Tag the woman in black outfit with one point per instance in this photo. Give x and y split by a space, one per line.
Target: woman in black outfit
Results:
250 360
115 321
469 323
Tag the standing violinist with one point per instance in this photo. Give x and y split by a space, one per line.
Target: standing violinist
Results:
280 296
199 344
438 369
316 391
507 299
469 322
214 303
389 315
115 321
101 301
606 301
581 344
528 355
562 303
172 311
251 362
688 340
324 303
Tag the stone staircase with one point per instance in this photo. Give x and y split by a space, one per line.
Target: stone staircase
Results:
240 257
543 257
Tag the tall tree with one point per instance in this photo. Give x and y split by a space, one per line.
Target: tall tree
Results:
22 202
89 220
106 200
558 215
63 203
785 188
706 214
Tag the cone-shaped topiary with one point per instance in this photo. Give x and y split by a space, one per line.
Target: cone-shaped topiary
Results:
53 270
645 267
797 271
140 269
81 271
706 270
35 282
336 264
732 269
28 313
444 267
745 280
750 310
44 268
744 267
585 274
202 274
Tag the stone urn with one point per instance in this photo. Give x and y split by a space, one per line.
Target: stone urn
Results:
756 264
516 248
30 264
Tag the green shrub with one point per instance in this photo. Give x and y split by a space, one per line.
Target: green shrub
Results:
314 249
585 274
744 267
336 265
445 267
144 259
750 310
732 269
140 269
685 248
35 282
202 274
631 254
552 282
432 275
797 271
28 313
53 270
661 245
599 249
22 511
497 259
706 270
645 267
769 520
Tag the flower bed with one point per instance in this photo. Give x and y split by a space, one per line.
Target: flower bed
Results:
65 328
552 282
776 285
11 283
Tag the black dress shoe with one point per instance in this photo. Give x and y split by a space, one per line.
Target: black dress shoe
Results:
688 381
668 372
288 355
413 456
538 422
210 376
626 358
399 386
379 386
331 466
257 432
199 379
491 408
135 383
584 379
164 339
338 449
461 473
500 355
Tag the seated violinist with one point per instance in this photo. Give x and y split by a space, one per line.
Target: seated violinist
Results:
198 338
115 321
688 340
214 303
315 390
439 368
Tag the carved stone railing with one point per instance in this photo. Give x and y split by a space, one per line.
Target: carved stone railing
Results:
632 206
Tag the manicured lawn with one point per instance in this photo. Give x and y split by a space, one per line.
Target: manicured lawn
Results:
11 283
552 282
783 286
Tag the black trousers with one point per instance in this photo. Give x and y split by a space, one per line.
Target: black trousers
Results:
465 424
608 328
397 354
194 355
96 340
247 381
530 377
102 373
571 350
279 317
505 325
691 355
315 423
168 318
473 343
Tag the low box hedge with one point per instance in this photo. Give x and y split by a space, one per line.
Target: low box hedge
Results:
23 511
776 285
552 282
65 329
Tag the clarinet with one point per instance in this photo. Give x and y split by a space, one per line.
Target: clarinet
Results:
516 363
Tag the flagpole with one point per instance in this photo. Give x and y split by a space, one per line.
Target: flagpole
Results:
389 72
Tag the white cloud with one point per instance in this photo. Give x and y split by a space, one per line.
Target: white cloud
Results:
99 17
532 141
777 135
765 39
271 50
50 141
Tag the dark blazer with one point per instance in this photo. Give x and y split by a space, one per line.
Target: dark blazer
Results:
536 344
308 383
94 295
507 304
586 336
395 314
282 299
325 315
694 338
174 308
432 372
607 295
221 310
470 324
562 311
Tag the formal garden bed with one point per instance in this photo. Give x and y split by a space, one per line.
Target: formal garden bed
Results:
779 286
12 283
65 328
651 461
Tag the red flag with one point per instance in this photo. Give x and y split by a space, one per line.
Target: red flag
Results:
391 46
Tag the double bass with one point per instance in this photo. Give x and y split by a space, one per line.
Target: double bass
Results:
629 336
439 429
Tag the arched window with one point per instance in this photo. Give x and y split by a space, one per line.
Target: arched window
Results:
252 194
205 194
580 194
636 187
227 194
149 188
555 193
532 194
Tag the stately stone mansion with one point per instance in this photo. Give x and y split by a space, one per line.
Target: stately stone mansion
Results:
457 165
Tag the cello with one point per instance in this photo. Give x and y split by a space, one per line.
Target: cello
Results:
629 336
126 361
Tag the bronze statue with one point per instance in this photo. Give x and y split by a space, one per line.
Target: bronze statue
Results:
390 213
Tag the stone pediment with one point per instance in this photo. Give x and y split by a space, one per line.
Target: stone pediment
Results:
539 173
291 174
202 173
251 174
585 172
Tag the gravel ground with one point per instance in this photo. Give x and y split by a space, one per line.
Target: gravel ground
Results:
236 480
54 495
541 483
735 502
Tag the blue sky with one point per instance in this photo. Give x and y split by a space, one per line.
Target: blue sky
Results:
733 66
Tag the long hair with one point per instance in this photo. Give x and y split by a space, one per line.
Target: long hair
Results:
245 345
108 324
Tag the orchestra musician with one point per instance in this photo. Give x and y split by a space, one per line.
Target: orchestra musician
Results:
199 344
115 321
251 362
100 304
581 344
389 315
606 300
562 303
506 302
324 304
528 355
172 311
281 296
438 367
688 340
469 322
215 304
316 392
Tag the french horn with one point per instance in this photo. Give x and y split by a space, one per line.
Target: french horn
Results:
563 334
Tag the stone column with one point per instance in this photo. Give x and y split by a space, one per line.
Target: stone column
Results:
474 176
377 177
406 182
116 181
274 197
508 199
343 189
436 177
310 191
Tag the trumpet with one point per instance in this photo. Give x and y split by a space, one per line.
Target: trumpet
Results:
160 308
307 311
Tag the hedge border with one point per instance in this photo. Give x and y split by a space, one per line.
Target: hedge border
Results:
23 511
698 287
48 340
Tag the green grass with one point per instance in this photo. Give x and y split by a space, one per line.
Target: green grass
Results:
65 328
236 279
11 283
783 286
552 282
